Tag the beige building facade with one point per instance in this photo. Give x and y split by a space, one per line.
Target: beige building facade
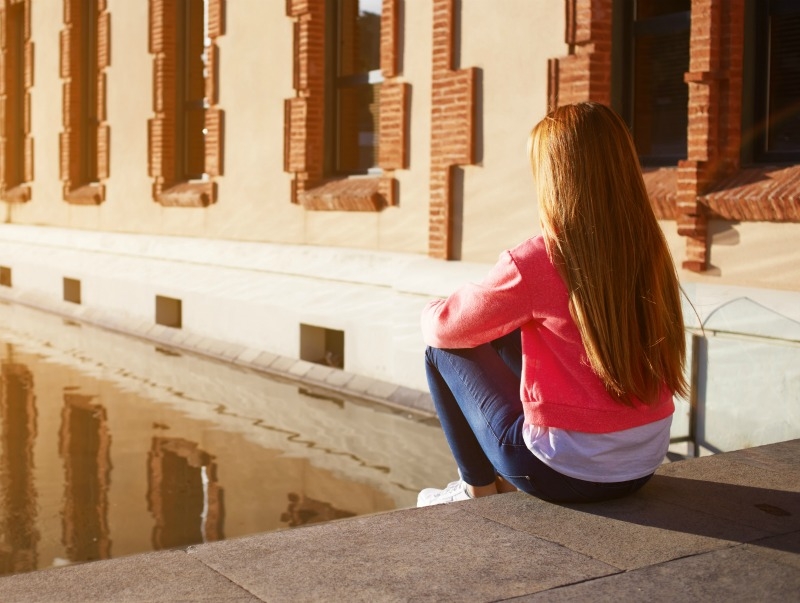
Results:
300 176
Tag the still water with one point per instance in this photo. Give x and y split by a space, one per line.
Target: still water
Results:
110 446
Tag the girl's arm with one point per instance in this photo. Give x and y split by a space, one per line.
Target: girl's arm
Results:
479 313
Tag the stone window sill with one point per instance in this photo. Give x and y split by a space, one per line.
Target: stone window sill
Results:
349 194
189 194
18 194
661 184
757 194
88 194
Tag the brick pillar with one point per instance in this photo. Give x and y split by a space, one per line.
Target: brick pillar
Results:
715 85
452 128
585 73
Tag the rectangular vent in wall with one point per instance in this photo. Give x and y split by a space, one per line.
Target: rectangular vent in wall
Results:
5 276
322 346
72 290
168 311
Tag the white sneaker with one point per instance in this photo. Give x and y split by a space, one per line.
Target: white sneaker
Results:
454 492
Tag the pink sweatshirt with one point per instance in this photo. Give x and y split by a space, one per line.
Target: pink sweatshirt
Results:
558 388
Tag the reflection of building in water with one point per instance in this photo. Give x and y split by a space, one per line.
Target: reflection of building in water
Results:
18 498
84 443
303 510
183 494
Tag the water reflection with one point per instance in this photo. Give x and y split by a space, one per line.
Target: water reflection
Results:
183 494
303 510
84 444
110 448
20 536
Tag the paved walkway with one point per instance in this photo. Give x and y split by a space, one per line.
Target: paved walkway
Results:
718 528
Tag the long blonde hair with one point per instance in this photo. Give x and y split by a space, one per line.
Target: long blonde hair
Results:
603 237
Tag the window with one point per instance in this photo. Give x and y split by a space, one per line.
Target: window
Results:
183 494
775 49
353 79
655 97
191 102
17 62
87 80
185 136
85 139
15 95
351 120
85 52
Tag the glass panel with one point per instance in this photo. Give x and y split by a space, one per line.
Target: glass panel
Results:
195 51
15 94
193 101
783 133
660 96
195 141
88 74
358 125
359 36
645 9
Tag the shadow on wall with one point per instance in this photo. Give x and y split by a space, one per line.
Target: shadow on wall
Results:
745 378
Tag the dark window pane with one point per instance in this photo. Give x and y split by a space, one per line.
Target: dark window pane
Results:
359 36
88 74
358 120
783 133
15 94
353 81
195 51
659 96
191 138
195 141
645 9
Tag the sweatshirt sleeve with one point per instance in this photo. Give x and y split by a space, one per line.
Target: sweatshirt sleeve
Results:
477 313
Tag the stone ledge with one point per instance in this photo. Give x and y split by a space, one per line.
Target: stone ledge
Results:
719 528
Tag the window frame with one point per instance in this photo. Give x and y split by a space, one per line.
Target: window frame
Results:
85 139
755 115
306 130
187 102
16 171
335 82
167 146
625 69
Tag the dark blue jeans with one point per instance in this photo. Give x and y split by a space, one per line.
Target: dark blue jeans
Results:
476 394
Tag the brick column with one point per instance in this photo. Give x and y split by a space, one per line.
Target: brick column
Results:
452 128
714 136
585 73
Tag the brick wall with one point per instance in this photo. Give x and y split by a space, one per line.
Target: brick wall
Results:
710 182
585 73
714 132
452 128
